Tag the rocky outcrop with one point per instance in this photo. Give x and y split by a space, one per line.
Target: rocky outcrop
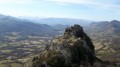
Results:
73 49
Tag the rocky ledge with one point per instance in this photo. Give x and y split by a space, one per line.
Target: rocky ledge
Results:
73 49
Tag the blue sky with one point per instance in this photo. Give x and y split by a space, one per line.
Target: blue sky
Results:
79 9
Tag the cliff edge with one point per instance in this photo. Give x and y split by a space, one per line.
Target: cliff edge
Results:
73 49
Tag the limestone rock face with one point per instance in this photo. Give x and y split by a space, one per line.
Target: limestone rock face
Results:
73 49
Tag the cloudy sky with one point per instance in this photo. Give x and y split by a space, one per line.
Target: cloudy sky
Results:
80 9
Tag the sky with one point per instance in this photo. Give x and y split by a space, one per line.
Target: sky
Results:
78 9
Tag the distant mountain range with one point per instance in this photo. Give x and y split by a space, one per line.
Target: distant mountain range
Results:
104 27
55 21
105 35
37 26
11 24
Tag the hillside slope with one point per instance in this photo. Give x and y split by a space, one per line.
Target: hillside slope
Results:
10 24
105 27
106 38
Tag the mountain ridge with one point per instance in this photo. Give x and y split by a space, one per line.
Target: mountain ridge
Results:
63 21
12 24
105 27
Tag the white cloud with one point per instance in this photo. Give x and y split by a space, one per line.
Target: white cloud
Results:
16 1
91 3
74 1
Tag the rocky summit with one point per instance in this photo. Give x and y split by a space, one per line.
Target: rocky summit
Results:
73 49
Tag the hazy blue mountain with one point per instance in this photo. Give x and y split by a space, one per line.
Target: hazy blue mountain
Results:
11 24
60 26
55 21
104 27
105 34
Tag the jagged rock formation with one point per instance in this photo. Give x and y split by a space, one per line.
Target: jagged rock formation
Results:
73 49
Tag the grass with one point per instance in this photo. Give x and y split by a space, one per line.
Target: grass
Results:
26 49
14 44
3 61
3 65
2 45
12 37
12 65
97 45
6 51
16 65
